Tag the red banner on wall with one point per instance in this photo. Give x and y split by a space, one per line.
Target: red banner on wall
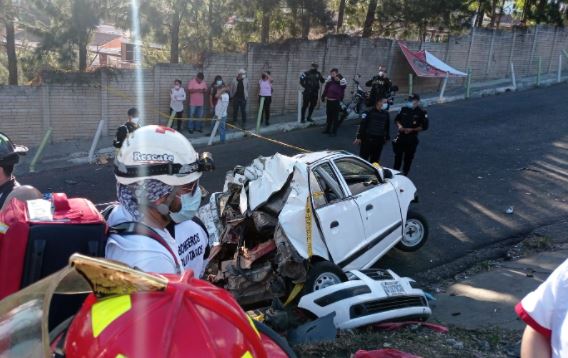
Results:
424 64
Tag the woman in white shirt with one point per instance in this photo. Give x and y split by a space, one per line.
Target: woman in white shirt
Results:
265 91
177 98
221 109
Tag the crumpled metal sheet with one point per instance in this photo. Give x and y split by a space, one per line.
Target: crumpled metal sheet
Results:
289 263
267 175
264 223
253 285
209 215
292 217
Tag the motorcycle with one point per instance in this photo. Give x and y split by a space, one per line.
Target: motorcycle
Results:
359 101
357 105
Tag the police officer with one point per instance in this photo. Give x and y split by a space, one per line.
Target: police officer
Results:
411 120
9 157
380 85
374 131
310 81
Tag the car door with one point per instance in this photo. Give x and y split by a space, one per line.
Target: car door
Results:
377 203
337 214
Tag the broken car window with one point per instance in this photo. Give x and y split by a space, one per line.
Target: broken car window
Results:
328 189
358 175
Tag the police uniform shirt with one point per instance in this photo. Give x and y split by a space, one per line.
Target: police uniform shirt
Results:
412 118
192 241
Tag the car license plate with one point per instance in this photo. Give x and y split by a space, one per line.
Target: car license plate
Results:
393 288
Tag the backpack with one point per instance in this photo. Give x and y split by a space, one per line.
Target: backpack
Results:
33 249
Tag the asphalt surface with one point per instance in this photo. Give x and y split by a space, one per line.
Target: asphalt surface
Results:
479 157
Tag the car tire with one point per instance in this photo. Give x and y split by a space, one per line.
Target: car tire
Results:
323 274
416 228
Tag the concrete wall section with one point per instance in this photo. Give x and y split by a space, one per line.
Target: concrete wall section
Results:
73 104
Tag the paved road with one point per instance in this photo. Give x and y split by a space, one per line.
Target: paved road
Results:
479 157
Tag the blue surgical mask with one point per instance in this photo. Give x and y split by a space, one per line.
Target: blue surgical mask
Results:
189 207
219 83
385 106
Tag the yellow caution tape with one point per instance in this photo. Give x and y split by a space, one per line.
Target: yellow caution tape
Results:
299 286
295 292
103 313
169 117
309 226
247 355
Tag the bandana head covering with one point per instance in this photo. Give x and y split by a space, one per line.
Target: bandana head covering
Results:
148 190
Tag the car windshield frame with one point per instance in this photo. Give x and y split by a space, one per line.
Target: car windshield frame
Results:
344 183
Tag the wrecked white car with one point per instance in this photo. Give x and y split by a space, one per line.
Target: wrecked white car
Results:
304 220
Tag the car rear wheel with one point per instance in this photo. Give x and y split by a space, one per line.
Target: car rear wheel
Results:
415 232
323 274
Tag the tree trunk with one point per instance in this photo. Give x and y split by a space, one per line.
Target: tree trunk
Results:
501 9
11 53
480 14
293 27
370 18
265 27
340 15
526 11
305 24
210 35
83 43
494 5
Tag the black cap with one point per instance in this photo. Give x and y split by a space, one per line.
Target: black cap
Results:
10 152
314 64
414 97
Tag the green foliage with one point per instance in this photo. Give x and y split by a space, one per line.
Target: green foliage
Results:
408 18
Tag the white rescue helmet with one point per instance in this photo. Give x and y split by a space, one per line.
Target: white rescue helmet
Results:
160 153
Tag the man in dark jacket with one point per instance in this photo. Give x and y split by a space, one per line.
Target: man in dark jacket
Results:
9 157
130 126
333 95
310 81
411 120
380 85
374 131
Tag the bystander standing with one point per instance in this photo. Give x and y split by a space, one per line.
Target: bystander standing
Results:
221 109
177 99
131 124
265 91
239 94
197 89
333 95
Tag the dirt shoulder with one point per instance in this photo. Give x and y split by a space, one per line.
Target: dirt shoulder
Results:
476 303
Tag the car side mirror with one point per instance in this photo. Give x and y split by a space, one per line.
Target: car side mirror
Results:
381 173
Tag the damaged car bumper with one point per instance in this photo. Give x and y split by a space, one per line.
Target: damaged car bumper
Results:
370 296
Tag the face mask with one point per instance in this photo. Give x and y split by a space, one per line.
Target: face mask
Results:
409 104
189 206
385 106
219 83
381 73
135 120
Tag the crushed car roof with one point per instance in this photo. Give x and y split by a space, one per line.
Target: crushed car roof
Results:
309 158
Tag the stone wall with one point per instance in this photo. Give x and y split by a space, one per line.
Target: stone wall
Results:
73 108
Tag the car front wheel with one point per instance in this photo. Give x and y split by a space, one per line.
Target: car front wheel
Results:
323 274
415 232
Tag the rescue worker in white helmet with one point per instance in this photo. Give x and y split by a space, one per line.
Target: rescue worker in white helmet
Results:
155 168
